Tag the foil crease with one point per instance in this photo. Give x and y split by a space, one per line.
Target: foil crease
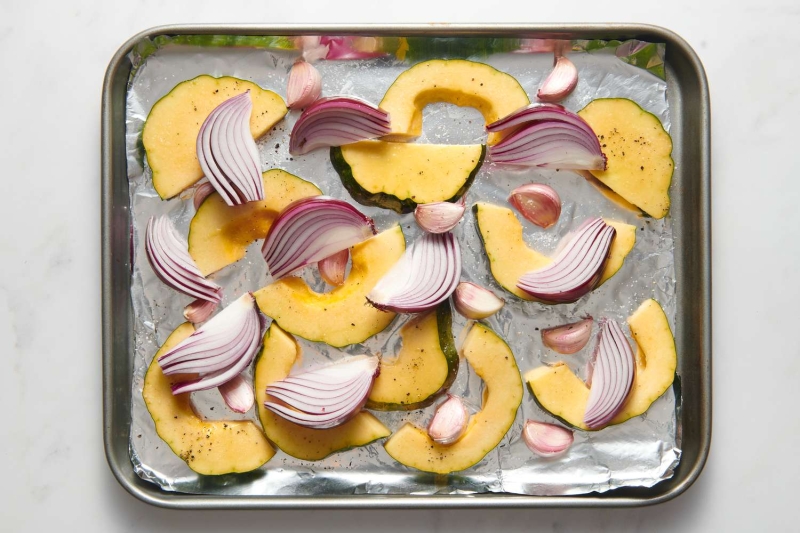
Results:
641 452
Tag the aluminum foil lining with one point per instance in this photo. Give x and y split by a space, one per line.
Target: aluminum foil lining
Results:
640 453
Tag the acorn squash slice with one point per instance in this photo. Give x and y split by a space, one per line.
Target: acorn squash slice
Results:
341 316
640 165
510 258
399 176
560 392
209 447
492 360
219 234
424 368
455 81
278 354
170 132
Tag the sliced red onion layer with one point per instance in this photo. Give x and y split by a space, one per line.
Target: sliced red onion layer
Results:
449 422
568 338
311 229
333 268
611 375
426 275
168 254
325 396
305 85
228 153
199 311
352 47
577 269
560 82
439 217
238 394
474 302
219 350
202 192
549 136
538 203
336 121
547 440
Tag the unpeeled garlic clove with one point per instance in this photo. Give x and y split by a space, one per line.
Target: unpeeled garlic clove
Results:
333 268
538 203
439 217
569 338
547 440
449 422
305 85
475 302
238 394
199 310
560 82
202 192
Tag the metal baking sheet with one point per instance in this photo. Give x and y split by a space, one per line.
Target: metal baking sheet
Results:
115 180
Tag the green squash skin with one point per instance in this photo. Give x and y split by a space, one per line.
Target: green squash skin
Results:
389 201
444 323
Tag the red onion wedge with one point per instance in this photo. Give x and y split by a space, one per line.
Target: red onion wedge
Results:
538 203
426 275
449 422
228 153
336 121
325 396
219 350
238 394
560 82
577 269
568 338
168 254
311 229
547 440
439 217
611 375
334 267
549 136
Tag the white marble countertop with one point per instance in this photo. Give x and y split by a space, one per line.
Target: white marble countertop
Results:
53 56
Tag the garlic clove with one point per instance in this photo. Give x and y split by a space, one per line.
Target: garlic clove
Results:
333 268
475 302
439 217
568 338
547 440
238 394
560 82
538 203
202 192
449 422
305 85
199 310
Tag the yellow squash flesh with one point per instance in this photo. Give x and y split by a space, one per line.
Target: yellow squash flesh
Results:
558 390
640 164
209 447
456 81
342 316
170 132
423 173
219 234
510 258
492 360
420 371
279 353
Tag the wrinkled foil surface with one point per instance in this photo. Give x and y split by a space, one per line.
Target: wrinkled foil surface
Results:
641 452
